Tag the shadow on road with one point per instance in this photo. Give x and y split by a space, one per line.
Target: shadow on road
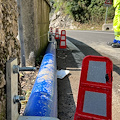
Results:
87 50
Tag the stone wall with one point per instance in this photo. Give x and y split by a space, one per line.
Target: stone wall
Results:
35 17
9 45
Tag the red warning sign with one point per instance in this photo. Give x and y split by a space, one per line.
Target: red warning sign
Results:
63 39
108 3
95 90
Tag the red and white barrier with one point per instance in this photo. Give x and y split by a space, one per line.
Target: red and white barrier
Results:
57 33
95 90
63 40
51 30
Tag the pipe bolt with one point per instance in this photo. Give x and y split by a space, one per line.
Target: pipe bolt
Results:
18 98
16 69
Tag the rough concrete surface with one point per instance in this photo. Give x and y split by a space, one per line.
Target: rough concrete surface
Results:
35 32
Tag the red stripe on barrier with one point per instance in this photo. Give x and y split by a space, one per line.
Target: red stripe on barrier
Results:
57 30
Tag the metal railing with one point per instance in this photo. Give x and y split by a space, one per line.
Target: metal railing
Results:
43 99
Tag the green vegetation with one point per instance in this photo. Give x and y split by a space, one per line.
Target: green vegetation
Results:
84 11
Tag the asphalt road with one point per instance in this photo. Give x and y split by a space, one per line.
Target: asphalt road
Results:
95 39
95 43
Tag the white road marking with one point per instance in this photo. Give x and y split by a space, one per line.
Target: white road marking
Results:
91 32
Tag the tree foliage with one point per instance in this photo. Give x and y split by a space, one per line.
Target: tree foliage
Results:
84 10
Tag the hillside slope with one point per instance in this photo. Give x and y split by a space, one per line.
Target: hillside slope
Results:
74 13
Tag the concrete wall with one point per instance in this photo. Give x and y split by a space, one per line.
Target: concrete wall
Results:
35 16
9 45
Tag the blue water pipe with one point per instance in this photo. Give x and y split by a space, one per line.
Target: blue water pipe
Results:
43 98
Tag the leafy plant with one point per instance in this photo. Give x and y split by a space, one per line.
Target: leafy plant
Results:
84 11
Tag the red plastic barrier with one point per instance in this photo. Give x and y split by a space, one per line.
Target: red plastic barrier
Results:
51 30
95 90
63 39
57 33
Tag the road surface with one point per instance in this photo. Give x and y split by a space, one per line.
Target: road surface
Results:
97 40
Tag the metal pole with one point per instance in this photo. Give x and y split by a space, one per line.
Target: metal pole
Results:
20 30
106 14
